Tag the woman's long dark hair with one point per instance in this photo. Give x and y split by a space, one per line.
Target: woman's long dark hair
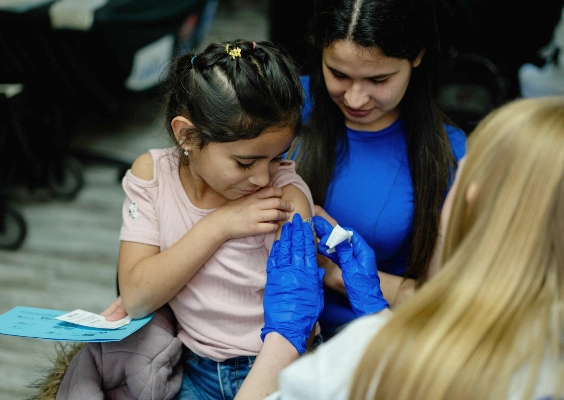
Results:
399 29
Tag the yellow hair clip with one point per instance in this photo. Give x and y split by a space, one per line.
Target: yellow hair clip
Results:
236 52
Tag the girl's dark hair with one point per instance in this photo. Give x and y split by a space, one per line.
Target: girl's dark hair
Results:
399 29
229 98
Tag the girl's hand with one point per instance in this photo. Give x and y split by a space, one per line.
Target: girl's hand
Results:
115 311
331 259
333 275
254 214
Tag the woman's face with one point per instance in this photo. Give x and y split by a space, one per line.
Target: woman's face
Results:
366 85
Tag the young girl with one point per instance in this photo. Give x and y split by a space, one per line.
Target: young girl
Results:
378 154
200 217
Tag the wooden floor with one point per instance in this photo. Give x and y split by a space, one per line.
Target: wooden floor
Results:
69 256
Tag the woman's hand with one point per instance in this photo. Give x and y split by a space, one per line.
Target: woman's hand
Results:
293 295
358 265
115 311
254 214
333 276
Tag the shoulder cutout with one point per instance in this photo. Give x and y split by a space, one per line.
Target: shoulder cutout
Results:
143 167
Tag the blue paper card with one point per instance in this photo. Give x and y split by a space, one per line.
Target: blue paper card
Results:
40 323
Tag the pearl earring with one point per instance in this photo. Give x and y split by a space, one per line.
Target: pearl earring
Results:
186 152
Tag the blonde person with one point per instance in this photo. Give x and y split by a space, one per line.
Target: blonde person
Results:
490 323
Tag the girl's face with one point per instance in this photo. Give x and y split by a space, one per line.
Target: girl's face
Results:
366 85
240 168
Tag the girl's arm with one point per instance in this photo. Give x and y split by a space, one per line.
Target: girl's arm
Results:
294 195
149 278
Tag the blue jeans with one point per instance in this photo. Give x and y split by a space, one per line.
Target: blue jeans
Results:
205 379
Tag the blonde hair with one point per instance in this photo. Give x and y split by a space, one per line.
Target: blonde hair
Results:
496 306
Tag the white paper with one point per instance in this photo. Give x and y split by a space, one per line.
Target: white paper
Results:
85 318
338 235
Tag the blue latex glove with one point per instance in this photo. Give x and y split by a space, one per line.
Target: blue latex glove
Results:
358 264
293 295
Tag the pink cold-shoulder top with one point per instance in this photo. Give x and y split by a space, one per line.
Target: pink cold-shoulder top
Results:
220 310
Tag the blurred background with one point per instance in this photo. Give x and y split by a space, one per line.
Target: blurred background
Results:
79 85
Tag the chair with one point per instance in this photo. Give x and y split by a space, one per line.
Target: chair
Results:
13 227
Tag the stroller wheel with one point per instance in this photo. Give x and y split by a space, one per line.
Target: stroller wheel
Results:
13 228
66 180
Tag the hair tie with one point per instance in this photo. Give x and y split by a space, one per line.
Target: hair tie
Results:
254 45
192 60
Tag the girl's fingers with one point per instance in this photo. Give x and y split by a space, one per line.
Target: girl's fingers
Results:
274 203
273 215
112 307
272 199
267 192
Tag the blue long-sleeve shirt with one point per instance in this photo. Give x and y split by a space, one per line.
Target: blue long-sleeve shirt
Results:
372 192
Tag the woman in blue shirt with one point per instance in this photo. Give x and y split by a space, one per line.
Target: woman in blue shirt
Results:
376 150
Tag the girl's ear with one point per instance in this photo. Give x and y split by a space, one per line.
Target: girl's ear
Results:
181 127
417 61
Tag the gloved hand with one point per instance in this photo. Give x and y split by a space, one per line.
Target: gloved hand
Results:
293 295
358 264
